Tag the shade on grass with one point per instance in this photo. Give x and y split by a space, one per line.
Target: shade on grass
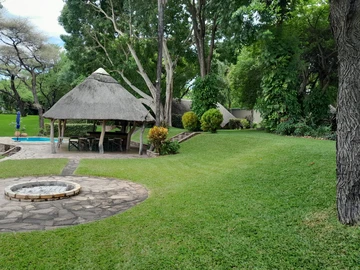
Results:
231 200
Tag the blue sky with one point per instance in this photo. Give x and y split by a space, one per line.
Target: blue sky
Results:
42 13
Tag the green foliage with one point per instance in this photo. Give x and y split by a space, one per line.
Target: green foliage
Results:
157 136
57 82
235 123
245 78
70 130
316 104
190 121
211 120
205 94
304 127
245 123
169 147
286 127
280 80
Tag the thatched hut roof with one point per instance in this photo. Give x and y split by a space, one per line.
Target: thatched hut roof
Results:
99 97
183 105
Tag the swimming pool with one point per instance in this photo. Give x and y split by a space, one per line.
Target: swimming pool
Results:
32 139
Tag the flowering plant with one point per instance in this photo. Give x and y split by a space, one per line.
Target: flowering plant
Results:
156 136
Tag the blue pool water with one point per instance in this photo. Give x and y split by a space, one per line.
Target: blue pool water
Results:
32 139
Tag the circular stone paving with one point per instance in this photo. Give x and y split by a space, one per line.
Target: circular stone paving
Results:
98 198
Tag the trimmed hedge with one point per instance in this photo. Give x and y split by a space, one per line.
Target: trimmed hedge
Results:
211 120
190 121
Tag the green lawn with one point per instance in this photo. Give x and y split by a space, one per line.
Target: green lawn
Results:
7 124
231 200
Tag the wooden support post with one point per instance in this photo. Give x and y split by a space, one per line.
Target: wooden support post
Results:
60 124
63 131
141 139
102 136
131 131
53 148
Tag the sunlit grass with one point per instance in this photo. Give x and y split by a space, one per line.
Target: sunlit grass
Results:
7 125
10 168
231 200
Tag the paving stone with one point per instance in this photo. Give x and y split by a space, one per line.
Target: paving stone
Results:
43 211
8 220
64 222
14 214
84 207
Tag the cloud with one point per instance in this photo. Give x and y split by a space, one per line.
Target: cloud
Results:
42 13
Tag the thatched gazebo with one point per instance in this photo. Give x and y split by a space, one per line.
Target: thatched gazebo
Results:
100 98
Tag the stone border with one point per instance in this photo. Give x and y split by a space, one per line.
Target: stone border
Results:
12 194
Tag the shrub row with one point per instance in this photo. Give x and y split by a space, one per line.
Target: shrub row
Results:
301 128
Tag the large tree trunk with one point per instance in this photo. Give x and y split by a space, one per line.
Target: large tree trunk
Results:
345 21
169 67
161 4
197 11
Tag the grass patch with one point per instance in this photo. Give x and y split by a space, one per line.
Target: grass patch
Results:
231 200
33 167
30 122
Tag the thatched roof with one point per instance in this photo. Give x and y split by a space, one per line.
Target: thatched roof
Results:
183 105
99 97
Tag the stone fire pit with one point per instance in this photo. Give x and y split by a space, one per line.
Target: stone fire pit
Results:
42 191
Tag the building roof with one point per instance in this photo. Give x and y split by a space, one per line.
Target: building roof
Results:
99 97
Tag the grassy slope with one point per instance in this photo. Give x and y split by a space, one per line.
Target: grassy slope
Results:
236 199
7 124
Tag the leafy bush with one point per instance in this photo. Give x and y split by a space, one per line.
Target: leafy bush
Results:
321 131
286 127
245 123
157 136
190 121
302 129
70 130
176 120
205 94
235 123
211 120
331 136
169 148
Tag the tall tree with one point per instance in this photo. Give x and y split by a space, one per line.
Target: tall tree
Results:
210 20
122 33
10 69
33 55
345 18
161 6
